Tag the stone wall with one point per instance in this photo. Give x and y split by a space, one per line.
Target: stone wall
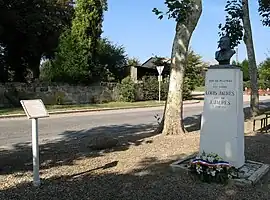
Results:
51 94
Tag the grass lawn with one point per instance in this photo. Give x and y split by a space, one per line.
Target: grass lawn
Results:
19 110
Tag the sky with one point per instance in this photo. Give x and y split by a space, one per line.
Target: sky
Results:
132 24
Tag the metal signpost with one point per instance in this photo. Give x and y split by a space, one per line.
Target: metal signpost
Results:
159 69
35 109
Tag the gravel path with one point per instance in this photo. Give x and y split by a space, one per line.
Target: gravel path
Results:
137 169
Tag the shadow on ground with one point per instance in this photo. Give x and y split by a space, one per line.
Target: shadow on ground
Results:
74 145
152 179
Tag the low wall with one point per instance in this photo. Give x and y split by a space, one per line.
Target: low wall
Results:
51 94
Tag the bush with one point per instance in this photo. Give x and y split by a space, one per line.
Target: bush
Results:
187 89
246 84
127 90
150 88
263 84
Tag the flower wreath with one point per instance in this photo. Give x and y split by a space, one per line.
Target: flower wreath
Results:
211 168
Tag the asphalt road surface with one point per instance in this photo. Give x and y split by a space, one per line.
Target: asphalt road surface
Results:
18 130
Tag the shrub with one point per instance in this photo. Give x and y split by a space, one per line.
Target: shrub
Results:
188 88
263 84
127 90
246 84
150 88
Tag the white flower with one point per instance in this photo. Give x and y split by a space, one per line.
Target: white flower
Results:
213 172
198 169
229 176
210 159
219 168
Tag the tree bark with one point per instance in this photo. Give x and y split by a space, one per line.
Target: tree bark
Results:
172 122
254 97
34 65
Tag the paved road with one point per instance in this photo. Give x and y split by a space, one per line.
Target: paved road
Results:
18 130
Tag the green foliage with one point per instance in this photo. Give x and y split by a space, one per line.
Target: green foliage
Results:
233 26
264 70
71 63
111 61
264 11
127 90
46 71
246 84
262 84
194 70
244 67
30 30
87 24
193 78
82 56
263 73
211 168
150 87
133 62
177 10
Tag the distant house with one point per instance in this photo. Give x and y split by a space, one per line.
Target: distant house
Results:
148 68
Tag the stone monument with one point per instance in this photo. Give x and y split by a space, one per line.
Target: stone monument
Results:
222 124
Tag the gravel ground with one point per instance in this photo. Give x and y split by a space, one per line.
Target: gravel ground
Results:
137 169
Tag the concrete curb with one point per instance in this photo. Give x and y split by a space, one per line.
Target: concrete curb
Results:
91 110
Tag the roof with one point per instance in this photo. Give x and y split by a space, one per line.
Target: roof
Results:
150 62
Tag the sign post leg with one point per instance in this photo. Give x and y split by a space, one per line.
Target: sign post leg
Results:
159 88
35 150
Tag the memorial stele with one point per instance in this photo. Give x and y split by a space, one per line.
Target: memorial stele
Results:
222 124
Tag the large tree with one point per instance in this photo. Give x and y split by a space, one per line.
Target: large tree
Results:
248 39
75 58
87 24
30 30
186 13
238 27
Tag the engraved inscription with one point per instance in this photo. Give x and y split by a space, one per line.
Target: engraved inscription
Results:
218 94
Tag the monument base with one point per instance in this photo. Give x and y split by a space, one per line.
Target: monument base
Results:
222 124
249 174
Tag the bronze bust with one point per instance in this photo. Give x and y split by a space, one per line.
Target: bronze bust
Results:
223 56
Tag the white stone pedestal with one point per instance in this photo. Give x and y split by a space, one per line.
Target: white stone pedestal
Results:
222 125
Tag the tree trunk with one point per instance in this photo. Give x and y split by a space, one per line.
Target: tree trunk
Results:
34 65
3 73
17 66
254 97
172 122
